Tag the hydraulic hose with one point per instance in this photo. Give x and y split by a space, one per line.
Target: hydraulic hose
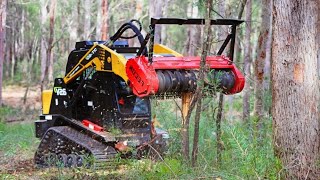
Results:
134 28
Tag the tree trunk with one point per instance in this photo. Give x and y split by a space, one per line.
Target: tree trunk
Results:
43 45
87 20
194 36
222 31
237 51
186 102
104 26
79 20
261 59
241 9
247 60
318 39
295 88
13 50
205 49
49 67
163 33
193 32
139 8
3 15
219 133
222 34
99 20
155 10
73 29
267 79
6 60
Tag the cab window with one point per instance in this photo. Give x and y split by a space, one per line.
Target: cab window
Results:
129 103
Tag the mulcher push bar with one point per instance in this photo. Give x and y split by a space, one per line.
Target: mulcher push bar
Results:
179 21
231 22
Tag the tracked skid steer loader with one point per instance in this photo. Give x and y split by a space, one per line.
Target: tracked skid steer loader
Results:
101 107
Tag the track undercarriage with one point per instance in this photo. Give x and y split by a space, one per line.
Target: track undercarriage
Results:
66 147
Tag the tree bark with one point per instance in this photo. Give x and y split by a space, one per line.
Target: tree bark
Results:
237 51
318 39
219 133
3 14
193 32
13 50
192 43
87 20
261 60
267 79
186 101
73 29
6 60
222 31
43 44
79 20
247 60
194 36
241 9
295 88
49 67
104 26
205 49
99 20
222 34
163 33
155 10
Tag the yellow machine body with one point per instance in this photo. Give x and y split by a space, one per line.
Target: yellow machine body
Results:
46 101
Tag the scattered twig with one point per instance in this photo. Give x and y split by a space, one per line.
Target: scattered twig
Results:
177 105
234 137
163 160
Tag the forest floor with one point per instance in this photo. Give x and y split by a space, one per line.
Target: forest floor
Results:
244 157
22 105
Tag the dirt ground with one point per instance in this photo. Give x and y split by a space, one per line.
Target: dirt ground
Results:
22 97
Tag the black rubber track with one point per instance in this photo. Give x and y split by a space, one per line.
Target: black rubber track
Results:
63 140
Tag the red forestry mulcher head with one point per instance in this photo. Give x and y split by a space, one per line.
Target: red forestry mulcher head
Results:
166 72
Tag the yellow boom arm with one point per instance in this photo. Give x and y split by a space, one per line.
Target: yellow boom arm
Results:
105 59
101 58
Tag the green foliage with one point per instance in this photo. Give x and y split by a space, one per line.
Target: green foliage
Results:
17 138
247 156
248 152
169 119
6 111
147 169
114 131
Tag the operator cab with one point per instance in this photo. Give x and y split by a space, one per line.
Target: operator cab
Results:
103 97
106 99
111 103
129 103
